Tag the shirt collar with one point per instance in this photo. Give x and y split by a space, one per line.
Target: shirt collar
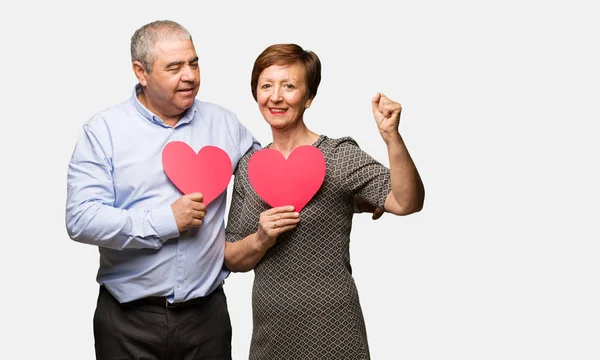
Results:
148 115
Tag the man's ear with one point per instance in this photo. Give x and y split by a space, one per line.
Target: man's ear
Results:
140 72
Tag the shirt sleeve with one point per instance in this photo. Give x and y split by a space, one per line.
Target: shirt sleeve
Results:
234 231
246 140
90 213
361 174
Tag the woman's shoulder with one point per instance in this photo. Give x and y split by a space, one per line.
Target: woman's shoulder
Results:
243 163
336 144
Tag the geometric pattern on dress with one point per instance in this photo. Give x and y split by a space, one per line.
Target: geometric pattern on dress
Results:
305 304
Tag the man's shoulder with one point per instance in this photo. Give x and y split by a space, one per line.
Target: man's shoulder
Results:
110 114
209 108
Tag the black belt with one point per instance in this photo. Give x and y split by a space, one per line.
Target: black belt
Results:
163 302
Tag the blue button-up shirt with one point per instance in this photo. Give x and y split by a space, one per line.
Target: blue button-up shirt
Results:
119 198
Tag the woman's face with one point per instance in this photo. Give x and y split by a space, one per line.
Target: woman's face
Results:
282 95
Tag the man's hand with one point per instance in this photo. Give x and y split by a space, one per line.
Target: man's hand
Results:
364 206
189 211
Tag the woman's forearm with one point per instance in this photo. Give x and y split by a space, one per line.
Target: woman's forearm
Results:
243 255
408 193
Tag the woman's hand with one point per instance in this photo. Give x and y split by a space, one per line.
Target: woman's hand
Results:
273 223
387 115
408 193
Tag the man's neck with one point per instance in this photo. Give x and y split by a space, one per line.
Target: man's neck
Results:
167 120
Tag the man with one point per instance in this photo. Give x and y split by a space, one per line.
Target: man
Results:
161 254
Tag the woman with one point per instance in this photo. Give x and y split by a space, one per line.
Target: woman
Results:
305 302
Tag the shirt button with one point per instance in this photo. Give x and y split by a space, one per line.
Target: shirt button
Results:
178 286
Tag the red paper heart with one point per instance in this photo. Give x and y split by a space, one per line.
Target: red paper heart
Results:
287 182
207 172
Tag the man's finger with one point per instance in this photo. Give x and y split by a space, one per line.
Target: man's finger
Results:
199 206
196 196
377 213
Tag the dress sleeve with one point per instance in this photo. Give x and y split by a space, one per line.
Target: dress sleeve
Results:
361 174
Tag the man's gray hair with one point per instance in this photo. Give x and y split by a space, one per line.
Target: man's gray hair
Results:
144 39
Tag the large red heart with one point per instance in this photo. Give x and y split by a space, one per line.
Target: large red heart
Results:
207 172
287 182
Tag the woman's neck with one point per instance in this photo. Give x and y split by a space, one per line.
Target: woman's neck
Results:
285 141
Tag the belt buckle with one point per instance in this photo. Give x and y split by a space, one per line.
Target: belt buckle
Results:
168 305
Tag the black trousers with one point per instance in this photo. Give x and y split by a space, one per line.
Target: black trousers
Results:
147 329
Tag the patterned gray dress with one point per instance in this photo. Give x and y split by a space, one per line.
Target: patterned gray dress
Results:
305 303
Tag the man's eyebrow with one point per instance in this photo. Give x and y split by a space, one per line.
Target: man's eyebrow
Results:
174 63
180 62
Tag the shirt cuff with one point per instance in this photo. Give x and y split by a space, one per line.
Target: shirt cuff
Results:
164 223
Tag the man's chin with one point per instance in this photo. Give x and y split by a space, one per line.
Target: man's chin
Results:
183 105
187 94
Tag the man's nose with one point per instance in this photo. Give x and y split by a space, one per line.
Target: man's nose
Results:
189 73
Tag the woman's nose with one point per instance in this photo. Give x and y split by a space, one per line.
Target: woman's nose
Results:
276 95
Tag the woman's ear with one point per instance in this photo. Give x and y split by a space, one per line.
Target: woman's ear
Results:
307 104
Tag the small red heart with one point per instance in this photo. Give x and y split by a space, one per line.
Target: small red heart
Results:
207 172
287 182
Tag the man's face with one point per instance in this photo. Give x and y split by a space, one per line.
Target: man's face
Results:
173 84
